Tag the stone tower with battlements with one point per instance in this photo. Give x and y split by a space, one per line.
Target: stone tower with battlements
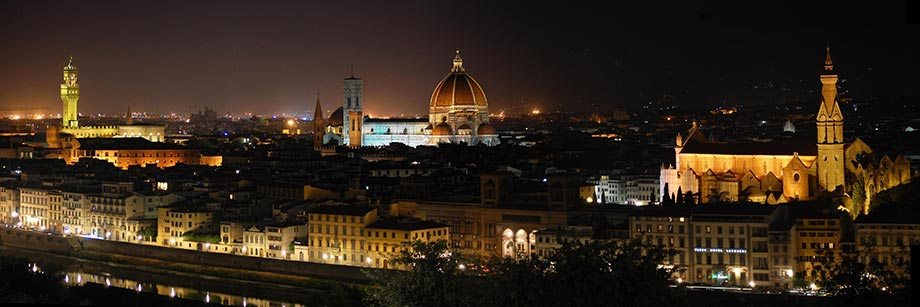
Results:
70 94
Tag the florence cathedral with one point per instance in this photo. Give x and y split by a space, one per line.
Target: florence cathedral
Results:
458 113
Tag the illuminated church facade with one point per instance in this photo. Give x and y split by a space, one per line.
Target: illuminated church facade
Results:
780 172
458 113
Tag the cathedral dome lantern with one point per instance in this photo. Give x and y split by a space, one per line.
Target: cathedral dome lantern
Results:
458 89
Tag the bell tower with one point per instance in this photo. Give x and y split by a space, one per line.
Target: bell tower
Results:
830 131
70 94
319 124
352 112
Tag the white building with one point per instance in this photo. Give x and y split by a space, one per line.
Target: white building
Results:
638 190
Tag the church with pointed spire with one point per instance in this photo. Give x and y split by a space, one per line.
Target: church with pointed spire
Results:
774 172
458 113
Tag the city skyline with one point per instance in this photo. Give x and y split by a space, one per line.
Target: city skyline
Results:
275 59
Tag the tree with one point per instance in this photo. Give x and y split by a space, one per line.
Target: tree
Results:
680 196
689 199
666 198
432 277
594 273
842 274
859 197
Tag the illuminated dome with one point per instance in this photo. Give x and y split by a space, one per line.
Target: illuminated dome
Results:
486 129
458 88
442 129
336 118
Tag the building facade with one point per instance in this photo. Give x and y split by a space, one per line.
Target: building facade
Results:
70 95
778 172
458 113
637 190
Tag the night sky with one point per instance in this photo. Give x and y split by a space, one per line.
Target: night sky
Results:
272 57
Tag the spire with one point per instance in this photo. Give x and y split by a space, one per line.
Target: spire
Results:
352 74
828 63
318 112
69 63
129 119
458 63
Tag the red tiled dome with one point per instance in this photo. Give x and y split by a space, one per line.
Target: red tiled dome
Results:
458 88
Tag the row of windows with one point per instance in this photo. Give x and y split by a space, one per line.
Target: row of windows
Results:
146 154
732 259
873 240
817 245
335 218
817 234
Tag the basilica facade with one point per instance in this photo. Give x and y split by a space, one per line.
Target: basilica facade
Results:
458 113
780 172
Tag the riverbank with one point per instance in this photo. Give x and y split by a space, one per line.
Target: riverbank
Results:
331 294
291 273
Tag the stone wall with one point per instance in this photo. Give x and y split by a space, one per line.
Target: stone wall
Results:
36 241
72 245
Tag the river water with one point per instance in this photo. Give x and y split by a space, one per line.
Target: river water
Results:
204 288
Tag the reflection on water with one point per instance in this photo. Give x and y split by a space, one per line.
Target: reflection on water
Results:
82 278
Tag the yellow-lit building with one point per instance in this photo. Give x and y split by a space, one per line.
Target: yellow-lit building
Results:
35 207
385 237
732 245
106 214
9 205
174 220
126 152
887 239
337 235
70 95
812 238
254 241
280 236
355 235
779 172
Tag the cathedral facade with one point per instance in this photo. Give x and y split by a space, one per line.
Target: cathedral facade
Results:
458 113
780 172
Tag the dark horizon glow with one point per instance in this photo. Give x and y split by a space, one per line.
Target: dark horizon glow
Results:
238 56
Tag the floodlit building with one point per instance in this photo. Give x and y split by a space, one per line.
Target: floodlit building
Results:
637 190
357 236
887 238
70 95
458 113
174 220
126 152
778 172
